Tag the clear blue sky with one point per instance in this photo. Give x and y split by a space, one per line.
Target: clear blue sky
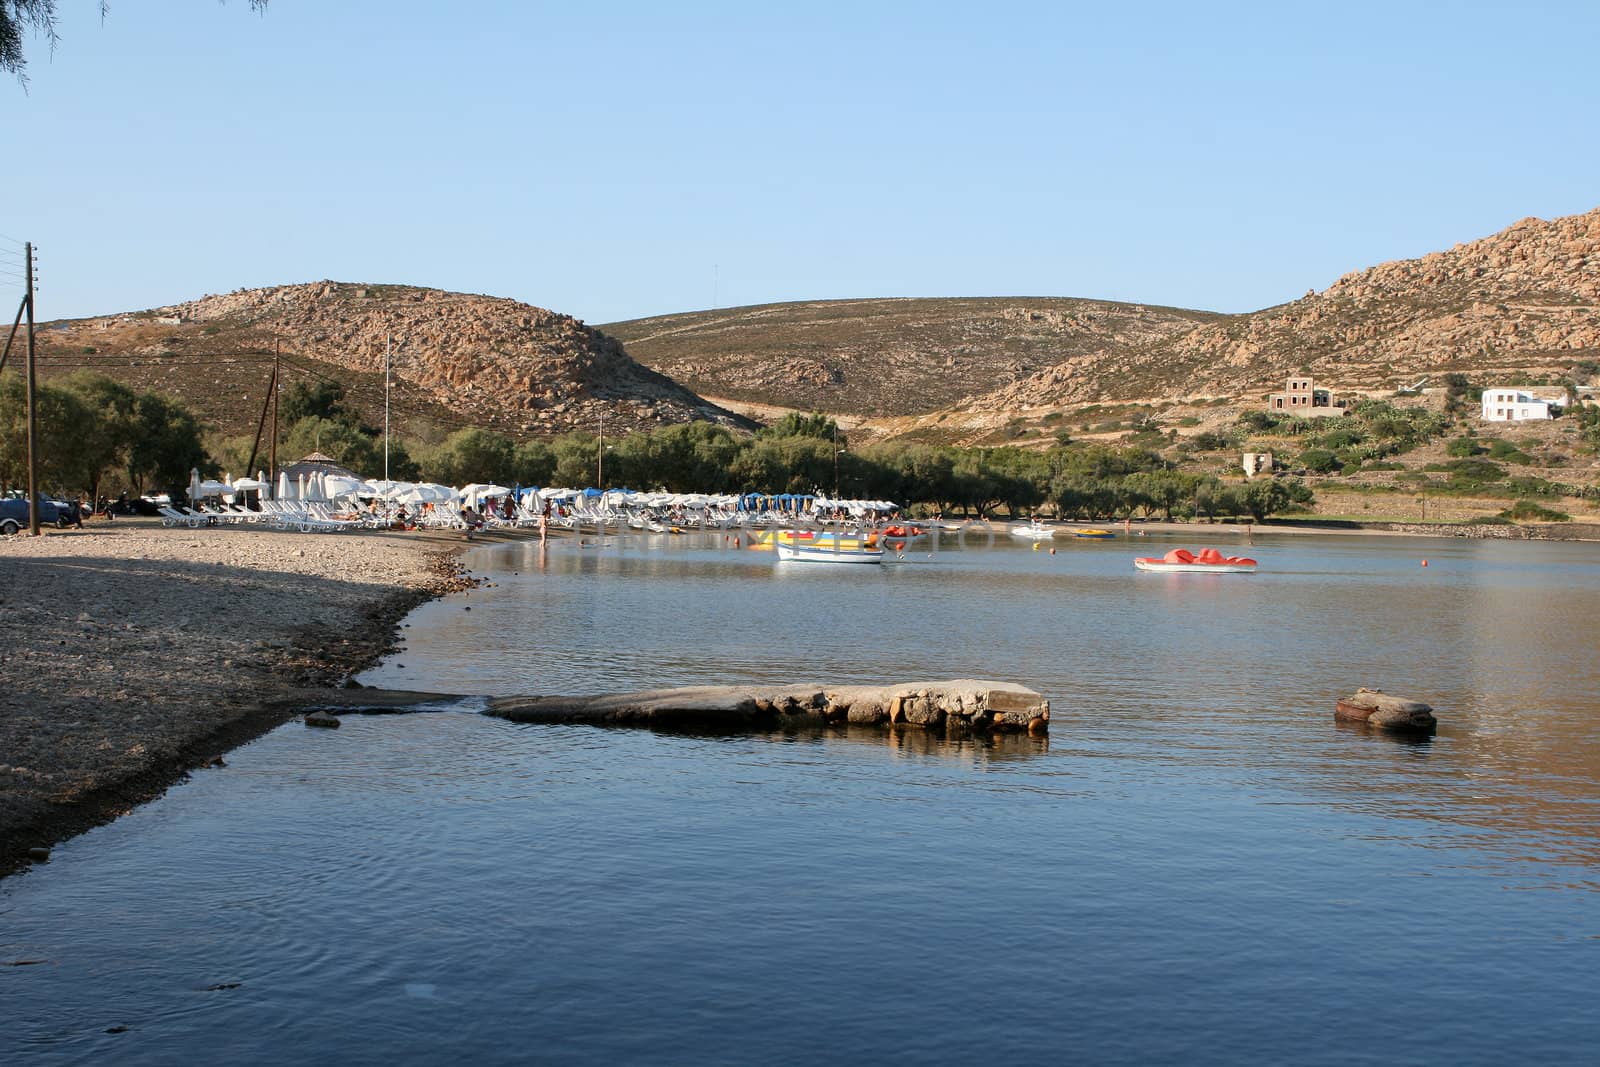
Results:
614 160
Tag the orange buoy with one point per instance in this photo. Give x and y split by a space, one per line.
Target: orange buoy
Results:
1424 563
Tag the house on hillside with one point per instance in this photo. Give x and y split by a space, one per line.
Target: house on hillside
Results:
1302 397
1515 405
1255 463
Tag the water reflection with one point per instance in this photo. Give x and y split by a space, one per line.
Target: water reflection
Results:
916 741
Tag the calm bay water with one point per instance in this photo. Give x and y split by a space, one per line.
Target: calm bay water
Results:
1198 865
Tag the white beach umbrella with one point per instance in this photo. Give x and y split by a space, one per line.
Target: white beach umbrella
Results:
337 485
283 486
211 487
245 485
477 491
194 484
427 493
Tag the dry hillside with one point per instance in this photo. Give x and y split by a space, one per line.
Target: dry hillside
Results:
888 357
1523 301
458 359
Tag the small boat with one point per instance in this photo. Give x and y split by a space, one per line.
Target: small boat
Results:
1099 534
904 532
802 553
828 538
1209 559
1034 531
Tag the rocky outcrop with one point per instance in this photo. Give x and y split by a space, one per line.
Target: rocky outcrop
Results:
470 352
1377 708
1526 299
961 704
458 358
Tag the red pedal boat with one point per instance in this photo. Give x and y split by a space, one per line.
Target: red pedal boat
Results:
1209 559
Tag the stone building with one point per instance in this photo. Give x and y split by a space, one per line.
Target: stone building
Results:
1302 397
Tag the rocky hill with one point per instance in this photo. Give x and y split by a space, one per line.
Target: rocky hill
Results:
458 359
1525 301
889 357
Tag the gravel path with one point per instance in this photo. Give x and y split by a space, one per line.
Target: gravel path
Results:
130 653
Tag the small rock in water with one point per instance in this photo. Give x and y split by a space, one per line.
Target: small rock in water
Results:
1377 708
323 719
39 855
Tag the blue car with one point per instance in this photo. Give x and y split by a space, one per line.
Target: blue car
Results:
60 513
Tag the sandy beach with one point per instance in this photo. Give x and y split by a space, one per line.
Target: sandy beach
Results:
130 653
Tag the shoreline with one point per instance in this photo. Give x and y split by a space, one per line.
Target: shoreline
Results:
134 654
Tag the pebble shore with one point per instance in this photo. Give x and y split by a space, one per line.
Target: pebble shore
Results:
131 654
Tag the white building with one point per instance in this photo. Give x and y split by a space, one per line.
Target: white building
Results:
1513 405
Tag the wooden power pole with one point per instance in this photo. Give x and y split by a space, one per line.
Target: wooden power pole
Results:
272 464
33 423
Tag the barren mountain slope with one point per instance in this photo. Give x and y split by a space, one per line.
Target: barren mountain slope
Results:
458 359
1522 300
887 357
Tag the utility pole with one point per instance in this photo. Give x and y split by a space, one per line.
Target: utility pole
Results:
388 346
836 461
277 387
261 423
12 336
33 425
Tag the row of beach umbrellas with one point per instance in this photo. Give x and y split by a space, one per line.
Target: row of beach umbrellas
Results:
328 487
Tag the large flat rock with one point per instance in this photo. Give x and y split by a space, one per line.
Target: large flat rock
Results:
970 703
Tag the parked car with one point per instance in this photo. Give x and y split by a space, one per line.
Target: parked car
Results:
14 513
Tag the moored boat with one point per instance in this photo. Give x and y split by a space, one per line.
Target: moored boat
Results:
1209 559
828 538
827 553
1034 531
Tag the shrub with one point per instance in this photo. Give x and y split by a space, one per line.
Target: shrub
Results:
1319 460
1470 470
1528 511
1463 447
1509 453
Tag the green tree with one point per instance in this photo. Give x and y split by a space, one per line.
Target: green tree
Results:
70 438
165 446
312 400
343 441
575 454
795 424
472 455
533 463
